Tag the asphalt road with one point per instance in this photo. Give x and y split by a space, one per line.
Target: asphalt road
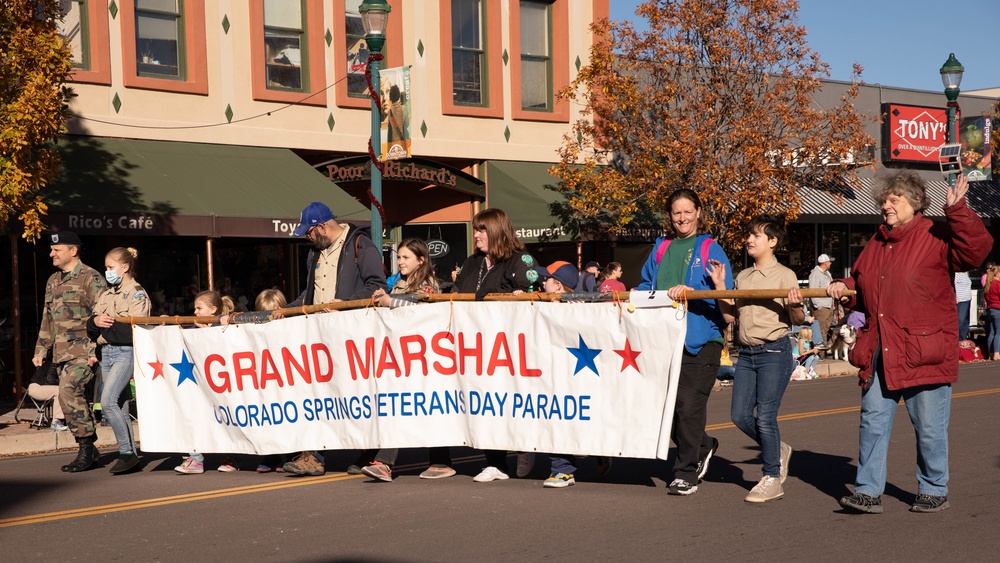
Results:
158 515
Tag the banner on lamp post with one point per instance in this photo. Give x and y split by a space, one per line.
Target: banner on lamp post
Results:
974 135
587 379
395 92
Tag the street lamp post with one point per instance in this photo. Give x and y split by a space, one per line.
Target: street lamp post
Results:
374 17
951 76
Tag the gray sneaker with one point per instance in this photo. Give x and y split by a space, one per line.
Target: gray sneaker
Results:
769 488
929 503
786 455
58 425
860 502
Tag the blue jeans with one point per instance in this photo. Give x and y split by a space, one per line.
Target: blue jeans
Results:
994 337
562 463
817 338
810 362
116 370
762 374
963 319
929 407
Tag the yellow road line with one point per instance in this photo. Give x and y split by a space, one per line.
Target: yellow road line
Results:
307 481
164 501
828 412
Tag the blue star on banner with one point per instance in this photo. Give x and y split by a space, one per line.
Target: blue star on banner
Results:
186 370
585 357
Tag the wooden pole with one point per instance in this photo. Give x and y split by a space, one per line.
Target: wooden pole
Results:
466 297
624 295
235 317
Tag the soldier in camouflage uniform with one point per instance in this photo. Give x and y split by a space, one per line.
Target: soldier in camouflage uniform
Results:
70 295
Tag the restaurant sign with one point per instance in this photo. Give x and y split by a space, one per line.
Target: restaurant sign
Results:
913 133
394 170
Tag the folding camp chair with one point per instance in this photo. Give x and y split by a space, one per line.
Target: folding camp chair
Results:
43 411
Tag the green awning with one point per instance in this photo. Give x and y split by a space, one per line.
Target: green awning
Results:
140 187
526 192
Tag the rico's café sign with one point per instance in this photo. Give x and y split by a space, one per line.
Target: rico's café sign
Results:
151 224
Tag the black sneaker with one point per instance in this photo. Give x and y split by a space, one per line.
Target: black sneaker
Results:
681 487
703 462
861 502
125 464
928 503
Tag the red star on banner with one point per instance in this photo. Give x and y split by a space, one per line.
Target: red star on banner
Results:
628 356
157 368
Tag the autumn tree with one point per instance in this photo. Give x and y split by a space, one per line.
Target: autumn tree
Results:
34 64
718 96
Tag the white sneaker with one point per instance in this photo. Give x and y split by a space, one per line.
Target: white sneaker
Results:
58 425
769 488
786 455
525 463
490 474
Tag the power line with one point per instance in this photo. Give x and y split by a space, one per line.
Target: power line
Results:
209 125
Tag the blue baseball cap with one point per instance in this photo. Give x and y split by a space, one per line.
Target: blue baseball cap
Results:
563 272
314 214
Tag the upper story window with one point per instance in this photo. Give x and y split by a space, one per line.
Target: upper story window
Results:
539 44
159 39
284 48
286 51
536 56
468 53
164 45
351 51
471 68
76 29
357 50
85 27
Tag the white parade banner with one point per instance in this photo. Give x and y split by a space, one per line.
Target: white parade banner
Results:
586 378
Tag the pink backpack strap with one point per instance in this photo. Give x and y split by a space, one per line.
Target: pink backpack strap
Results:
705 244
704 251
660 250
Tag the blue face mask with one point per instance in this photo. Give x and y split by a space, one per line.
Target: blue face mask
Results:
112 277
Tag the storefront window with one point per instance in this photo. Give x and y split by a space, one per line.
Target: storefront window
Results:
284 31
159 38
800 245
447 243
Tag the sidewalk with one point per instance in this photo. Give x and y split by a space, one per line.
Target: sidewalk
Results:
834 368
18 438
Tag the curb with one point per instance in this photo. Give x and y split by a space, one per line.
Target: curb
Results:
45 440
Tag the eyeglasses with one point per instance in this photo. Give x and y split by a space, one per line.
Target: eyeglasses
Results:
310 230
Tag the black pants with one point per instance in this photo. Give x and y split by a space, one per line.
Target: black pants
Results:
698 373
496 458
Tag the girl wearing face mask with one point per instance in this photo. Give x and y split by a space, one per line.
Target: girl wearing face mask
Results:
123 298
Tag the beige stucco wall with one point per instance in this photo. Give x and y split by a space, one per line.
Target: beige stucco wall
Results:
148 114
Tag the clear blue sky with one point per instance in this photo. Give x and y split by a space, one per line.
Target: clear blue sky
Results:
898 42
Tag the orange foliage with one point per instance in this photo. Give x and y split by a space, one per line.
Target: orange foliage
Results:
34 64
717 96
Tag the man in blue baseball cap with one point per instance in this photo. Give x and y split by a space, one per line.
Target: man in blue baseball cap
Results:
343 265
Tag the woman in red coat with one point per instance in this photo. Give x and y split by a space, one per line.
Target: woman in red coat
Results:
909 348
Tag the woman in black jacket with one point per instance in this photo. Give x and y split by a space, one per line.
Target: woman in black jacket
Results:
500 264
